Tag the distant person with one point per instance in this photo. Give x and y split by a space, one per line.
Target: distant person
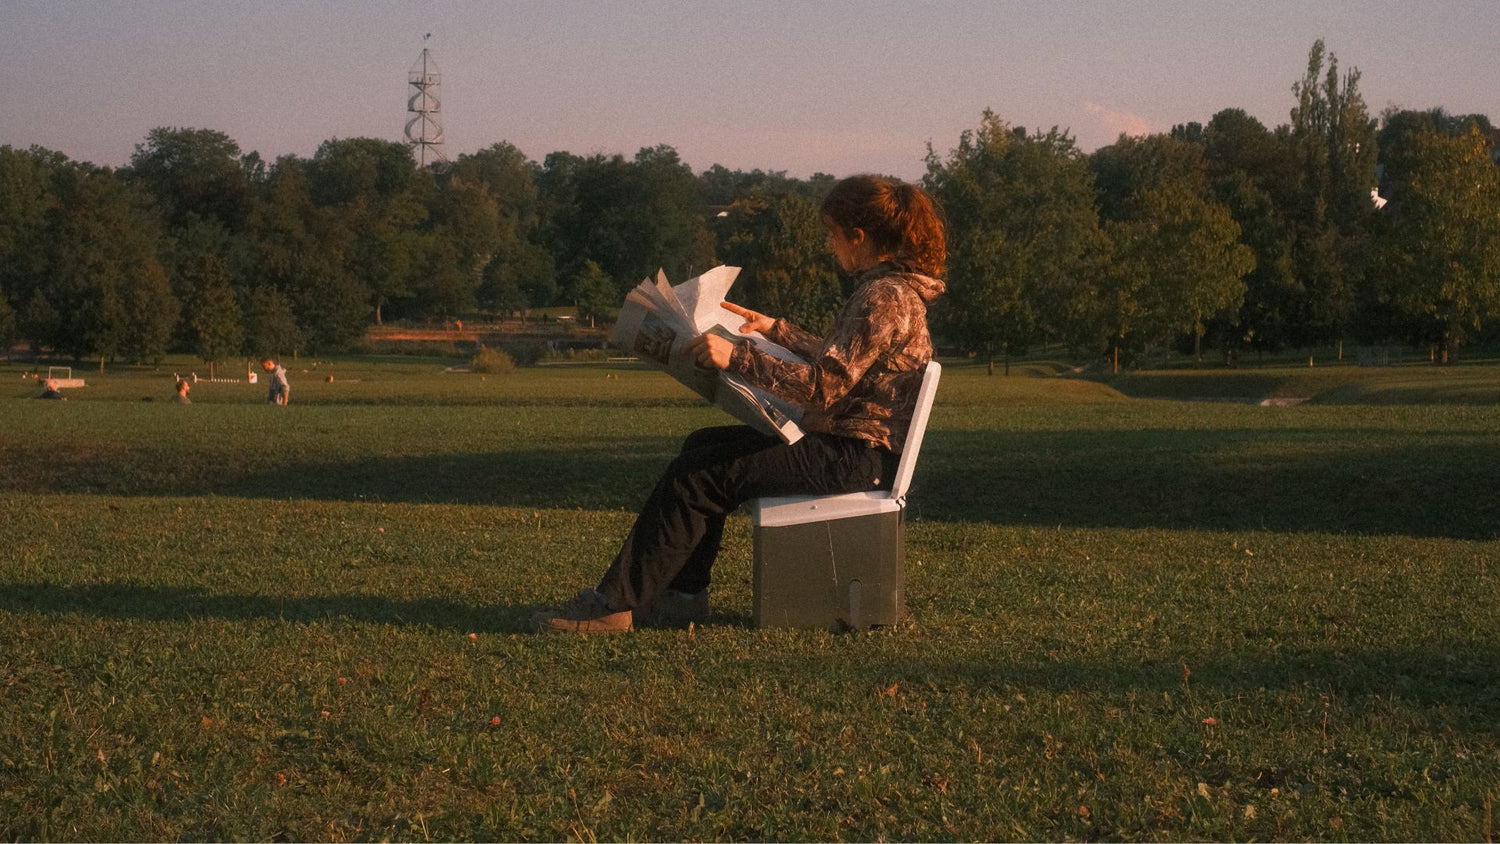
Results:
50 391
183 386
279 390
858 387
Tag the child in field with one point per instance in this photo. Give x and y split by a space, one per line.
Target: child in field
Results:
280 390
858 390
51 391
183 385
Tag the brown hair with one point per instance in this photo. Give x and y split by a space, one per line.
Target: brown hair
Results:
900 219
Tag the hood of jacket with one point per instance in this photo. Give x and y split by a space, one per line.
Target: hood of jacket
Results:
927 288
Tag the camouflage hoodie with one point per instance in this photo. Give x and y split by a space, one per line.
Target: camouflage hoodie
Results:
862 379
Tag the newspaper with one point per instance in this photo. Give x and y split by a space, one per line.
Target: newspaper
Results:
658 319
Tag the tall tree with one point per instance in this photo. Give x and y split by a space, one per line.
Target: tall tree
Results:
630 217
100 272
1444 235
378 197
594 292
1254 173
496 213
1335 138
298 248
270 324
778 241
26 196
1023 238
193 172
1177 261
211 312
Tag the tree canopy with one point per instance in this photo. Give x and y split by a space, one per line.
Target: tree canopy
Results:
1227 233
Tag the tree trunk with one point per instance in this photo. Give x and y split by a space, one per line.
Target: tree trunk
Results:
1198 346
378 306
1007 359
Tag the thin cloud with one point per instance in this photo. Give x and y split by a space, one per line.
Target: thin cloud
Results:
1119 122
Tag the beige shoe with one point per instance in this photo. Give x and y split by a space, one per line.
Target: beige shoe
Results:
673 609
587 612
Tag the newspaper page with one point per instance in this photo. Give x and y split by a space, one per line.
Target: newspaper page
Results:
658 319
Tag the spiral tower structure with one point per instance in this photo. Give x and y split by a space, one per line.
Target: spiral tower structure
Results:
424 126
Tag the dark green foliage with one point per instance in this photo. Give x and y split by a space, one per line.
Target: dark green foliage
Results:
631 217
1023 239
1444 236
270 324
779 242
95 263
98 270
594 292
1335 143
193 173
8 327
1177 262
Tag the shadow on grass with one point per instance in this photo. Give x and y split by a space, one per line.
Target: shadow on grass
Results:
1282 480
129 601
1370 482
125 601
1465 676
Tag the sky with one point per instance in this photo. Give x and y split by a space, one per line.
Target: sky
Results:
801 86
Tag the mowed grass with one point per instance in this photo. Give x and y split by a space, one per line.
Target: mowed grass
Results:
1130 619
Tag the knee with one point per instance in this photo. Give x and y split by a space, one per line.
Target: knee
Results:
699 439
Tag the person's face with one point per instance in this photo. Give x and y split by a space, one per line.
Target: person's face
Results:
268 365
852 249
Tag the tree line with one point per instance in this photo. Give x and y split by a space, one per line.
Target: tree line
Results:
1334 227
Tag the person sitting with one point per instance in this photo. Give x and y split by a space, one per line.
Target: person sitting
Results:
858 386
50 391
183 386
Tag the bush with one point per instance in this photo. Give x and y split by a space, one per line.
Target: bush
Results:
492 362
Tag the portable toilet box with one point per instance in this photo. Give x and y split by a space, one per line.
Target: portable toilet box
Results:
836 561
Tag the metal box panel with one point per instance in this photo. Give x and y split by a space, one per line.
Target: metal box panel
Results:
835 575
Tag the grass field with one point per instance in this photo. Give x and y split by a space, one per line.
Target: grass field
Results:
1131 618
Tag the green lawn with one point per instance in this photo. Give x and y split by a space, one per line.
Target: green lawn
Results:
1131 618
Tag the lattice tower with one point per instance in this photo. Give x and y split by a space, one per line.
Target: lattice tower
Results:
424 129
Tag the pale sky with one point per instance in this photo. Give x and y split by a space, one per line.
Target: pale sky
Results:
802 86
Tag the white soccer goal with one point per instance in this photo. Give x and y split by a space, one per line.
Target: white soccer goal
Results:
62 376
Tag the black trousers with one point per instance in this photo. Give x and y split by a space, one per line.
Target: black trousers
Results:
677 534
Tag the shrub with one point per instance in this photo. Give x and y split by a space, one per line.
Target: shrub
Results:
492 362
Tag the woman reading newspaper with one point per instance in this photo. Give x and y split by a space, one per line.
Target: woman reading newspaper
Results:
857 385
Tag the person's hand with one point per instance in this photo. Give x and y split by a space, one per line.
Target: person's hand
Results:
753 320
710 351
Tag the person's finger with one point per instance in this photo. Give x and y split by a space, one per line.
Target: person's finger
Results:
730 306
